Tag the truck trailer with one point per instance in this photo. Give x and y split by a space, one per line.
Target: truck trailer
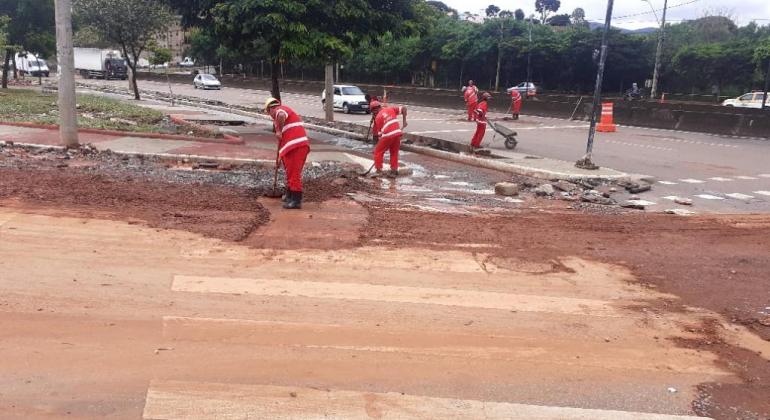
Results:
100 64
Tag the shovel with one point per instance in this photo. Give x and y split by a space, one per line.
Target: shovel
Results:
275 193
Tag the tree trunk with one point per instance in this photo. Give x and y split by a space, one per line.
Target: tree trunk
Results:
497 74
15 67
6 69
275 90
134 85
68 122
329 85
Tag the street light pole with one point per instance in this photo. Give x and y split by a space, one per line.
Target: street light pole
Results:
68 124
659 51
585 162
529 56
767 84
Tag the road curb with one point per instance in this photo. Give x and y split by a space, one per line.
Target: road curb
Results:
228 139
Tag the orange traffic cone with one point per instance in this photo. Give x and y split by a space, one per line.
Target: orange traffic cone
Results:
606 125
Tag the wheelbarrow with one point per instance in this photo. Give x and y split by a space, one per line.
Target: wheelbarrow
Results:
507 134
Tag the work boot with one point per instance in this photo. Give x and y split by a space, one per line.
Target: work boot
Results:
295 200
393 173
376 174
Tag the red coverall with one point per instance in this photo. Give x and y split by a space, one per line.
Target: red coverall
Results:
388 130
471 100
481 124
293 146
515 104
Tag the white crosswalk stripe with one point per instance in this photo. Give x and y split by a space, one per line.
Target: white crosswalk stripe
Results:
762 192
692 181
739 196
720 179
709 197
746 177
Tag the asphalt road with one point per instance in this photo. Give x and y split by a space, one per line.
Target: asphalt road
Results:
719 173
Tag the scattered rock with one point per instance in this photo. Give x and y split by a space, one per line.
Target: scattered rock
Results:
638 188
683 201
632 204
671 390
595 197
562 185
507 189
679 212
545 190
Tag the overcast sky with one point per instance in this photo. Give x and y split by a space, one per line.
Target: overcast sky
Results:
743 11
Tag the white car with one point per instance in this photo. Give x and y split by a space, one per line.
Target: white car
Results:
206 81
525 89
348 98
747 100
187 62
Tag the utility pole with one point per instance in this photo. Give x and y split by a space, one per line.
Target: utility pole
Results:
767 84
585 162
329 86
659 51
529 56
68 123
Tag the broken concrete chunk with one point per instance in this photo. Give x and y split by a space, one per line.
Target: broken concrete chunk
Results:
545 190
638 188
683 201
507 189
631 204
562 185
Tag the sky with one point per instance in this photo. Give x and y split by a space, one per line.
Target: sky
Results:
743 11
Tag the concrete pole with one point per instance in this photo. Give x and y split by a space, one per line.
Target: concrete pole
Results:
68 123
329 86
659 52
586 162
767 84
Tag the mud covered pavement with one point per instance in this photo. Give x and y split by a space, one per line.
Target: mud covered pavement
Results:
142 288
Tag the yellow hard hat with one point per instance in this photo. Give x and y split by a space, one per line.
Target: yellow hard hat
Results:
271 102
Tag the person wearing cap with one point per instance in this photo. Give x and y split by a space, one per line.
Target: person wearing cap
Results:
481 121
471 95
387 135
293 148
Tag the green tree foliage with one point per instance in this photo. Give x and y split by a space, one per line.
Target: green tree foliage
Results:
546 7
31 27
559 20
130 25
160 55
492 10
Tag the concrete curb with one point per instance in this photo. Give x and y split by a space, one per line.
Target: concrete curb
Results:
430 145
266 163
228 138
161 136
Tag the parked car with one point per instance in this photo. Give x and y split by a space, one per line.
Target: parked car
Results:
187 62
524 88
348 98
206 81
747 100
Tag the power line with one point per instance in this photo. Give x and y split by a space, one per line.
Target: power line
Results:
653 11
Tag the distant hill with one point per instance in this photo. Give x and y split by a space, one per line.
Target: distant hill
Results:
598 25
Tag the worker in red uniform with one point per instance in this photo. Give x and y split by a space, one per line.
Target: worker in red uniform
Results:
293 148
481 121
515 104
471 96
387 135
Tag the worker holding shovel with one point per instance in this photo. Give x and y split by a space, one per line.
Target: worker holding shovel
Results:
293 148
387 135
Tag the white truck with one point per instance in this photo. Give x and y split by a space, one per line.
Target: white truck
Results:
100 64
31 64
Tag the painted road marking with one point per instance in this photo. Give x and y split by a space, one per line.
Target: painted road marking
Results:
442 131
642 202
395 294
739 196
762 192
765 175
668 183
201 400
709 197
746 177
720 179
692 181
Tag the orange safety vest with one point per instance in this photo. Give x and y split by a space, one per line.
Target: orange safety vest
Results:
293 133
481 113
386 123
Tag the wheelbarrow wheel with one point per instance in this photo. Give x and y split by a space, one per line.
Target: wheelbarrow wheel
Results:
510 144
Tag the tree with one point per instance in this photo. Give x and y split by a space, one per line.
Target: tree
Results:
492 10
31 27
519 14
131 25
4 21
443 8
545 7
578 18
559 20
160 55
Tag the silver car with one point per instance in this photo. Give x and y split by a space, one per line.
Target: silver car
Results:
525 89
206 81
